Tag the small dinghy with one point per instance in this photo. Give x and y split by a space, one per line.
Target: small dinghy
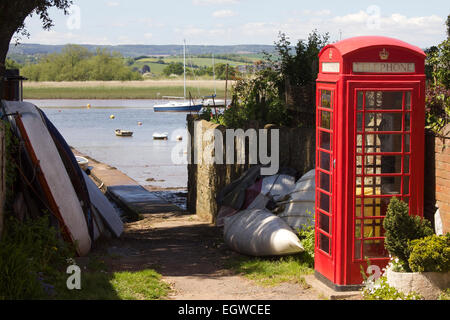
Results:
124 133
82 162
161 136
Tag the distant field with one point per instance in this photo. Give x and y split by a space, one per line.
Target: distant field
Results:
120 90
157 68
201 62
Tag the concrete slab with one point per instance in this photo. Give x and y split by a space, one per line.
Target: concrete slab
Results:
138 199
126 192
329 293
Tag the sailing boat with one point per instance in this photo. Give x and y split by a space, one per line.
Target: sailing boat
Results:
180 106
211 101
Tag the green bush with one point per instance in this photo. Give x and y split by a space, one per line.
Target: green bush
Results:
401 228
307 238
18 281
30 250
430 254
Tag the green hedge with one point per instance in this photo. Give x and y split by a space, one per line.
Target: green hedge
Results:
430 254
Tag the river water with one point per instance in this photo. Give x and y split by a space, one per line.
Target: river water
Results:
91 131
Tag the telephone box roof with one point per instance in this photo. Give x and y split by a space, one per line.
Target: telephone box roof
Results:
357 43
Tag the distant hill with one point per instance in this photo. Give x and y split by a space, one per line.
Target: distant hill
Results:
143 50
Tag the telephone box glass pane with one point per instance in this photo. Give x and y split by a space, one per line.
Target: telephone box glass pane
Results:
324 243
326 120
407 143
357 249
406 165
408 122
406 185
358 229
374 249
360 100
326 99
325 202
325 161
391 185
408 101
383 164
377 143
384 122
325 182
324 223
384 100
325 140
373 228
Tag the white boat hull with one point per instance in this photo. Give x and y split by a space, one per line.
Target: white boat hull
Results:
260 233
61 190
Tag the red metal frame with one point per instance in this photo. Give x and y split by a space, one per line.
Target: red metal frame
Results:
341 265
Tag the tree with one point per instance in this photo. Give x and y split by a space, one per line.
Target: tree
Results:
174 68
12 20
146 69
438 90
448 26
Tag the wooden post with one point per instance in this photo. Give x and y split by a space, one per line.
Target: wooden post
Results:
226 87
2 175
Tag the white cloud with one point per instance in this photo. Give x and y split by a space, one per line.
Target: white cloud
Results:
316 13
113 4
214 2
421 30
190 31
223 14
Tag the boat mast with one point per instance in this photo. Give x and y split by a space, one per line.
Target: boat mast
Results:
184 68
214 74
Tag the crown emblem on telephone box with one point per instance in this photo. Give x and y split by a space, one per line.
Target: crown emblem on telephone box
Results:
384 54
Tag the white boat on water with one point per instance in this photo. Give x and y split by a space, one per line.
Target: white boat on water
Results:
123 133
161 136
181 106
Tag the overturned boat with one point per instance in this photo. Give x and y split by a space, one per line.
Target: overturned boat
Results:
60 187
258 232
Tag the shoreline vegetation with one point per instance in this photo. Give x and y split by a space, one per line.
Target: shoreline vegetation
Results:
146 89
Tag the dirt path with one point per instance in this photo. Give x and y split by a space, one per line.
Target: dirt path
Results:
191 257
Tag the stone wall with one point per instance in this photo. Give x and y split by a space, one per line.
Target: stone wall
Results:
437 178
205 181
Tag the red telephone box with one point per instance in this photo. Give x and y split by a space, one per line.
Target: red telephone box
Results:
370 148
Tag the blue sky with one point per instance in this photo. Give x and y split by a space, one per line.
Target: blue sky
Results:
225 22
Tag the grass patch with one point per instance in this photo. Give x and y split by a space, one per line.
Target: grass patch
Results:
270 272
143 285
100 285
105 92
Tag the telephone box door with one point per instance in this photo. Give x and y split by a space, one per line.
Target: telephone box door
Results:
385 132
324 222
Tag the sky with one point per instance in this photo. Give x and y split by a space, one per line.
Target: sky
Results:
231 22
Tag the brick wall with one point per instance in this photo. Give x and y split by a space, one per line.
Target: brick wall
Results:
437 178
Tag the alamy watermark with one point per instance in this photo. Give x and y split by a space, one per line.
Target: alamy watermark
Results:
374 19
214 146
74 280
74 20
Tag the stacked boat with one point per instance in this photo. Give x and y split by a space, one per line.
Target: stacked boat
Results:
79 209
